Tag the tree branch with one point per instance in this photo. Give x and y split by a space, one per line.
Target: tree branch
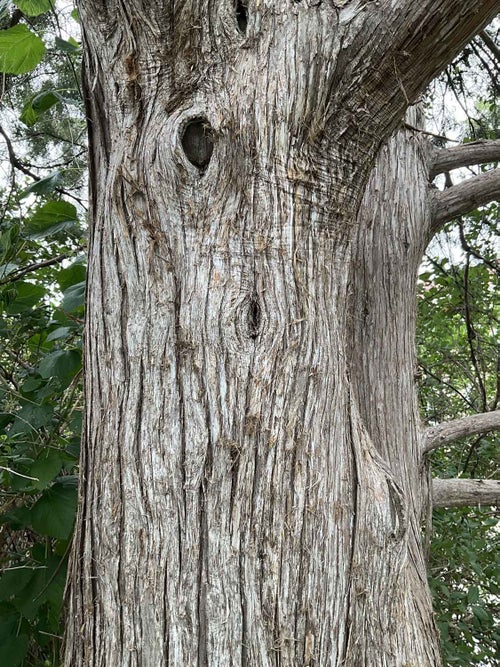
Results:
490 43
439 32
14 160
16 275
477 152
465 197
461 492
443 434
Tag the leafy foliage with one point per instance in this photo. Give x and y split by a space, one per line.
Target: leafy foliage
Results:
42 278
40 419
458 351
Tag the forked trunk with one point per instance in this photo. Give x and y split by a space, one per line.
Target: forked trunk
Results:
252 471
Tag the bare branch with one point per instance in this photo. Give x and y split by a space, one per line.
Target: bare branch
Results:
441 137
13 159
461 492
477 152
465 197
16 275
490 43
443 434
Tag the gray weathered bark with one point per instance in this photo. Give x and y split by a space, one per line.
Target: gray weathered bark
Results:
465 196
443 434
476 152
252 483
460 492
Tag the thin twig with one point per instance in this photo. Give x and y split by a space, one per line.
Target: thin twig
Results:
39 265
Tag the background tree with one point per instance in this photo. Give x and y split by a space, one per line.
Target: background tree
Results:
364 333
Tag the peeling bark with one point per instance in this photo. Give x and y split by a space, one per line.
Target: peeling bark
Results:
244 501
461 492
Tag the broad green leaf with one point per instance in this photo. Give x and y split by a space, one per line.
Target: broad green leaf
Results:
473 594
62 364
14 650
31 417
13 581
67 46
481 614
45 469
20 50
30 384
72 275
8 239
18 518
44 185
74 297
34 7
37 106
54 513
46 585
27 295
57 334
51 218
73 448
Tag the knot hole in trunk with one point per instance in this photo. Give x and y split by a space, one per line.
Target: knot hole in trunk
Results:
254 317
242 15
197 142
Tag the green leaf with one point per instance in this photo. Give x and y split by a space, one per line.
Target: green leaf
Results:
72 275
45 469
27 295
20 50
74 297
62 364
54 513
13 581
60 332
38 105
14 650
67 46
52 217
46 585
30 384
34 7
31 417
18 518
44 185
473 594
481 614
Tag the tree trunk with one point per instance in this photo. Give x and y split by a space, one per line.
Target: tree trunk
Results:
252 468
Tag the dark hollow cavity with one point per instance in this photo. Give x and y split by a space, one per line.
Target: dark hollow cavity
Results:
197 142
254 318
242 15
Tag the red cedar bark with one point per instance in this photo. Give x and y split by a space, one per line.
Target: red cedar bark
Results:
241 502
